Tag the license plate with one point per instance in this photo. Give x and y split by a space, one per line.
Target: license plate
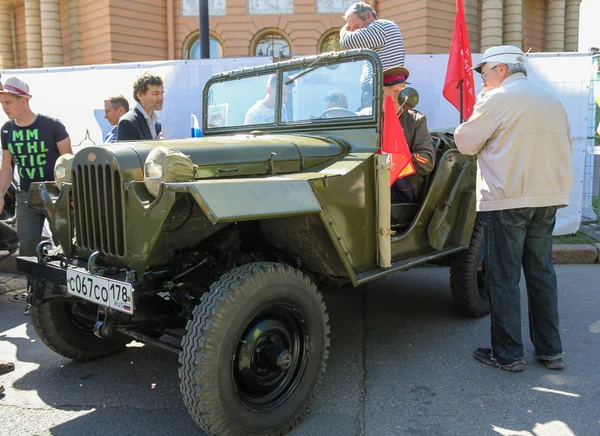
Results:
106 292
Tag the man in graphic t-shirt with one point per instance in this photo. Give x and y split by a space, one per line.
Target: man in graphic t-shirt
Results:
33 142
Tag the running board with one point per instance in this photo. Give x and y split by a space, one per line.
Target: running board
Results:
404 264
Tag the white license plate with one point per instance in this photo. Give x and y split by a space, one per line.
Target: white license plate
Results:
112 293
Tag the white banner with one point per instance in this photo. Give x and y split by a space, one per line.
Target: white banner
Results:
567 75
75 95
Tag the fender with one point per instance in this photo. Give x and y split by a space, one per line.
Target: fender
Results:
229 200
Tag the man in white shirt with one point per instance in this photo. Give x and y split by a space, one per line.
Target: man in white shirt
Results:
263 111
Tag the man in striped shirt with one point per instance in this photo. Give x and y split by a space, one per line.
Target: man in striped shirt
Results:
364 30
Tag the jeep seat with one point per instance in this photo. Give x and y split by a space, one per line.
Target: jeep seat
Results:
403 214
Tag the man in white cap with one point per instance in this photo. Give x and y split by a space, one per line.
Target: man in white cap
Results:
521 136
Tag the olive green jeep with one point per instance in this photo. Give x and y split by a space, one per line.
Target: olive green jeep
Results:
216 247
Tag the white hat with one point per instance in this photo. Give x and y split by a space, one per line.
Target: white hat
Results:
16 87
502 54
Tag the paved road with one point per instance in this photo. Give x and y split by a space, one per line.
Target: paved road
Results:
400 364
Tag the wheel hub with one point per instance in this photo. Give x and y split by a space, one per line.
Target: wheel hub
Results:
270 358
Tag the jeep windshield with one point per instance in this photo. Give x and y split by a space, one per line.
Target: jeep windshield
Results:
321 92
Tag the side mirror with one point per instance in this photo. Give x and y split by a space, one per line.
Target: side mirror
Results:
408 98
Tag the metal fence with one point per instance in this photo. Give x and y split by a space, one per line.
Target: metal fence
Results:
591 190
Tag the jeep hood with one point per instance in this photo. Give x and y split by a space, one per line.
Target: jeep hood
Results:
239 155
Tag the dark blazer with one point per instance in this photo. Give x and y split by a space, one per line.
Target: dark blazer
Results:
133 126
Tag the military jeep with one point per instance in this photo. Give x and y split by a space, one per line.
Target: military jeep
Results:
215 248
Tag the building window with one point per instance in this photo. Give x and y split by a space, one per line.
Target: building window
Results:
330 41
191 47
273 44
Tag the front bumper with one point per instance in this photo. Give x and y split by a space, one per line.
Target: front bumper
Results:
50 271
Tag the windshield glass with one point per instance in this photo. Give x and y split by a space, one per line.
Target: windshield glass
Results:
320 93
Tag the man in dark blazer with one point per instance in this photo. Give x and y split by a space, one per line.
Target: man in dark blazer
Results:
141 122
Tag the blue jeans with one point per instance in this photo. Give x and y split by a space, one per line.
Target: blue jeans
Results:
516 238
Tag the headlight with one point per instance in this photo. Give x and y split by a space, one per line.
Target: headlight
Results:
153 170
62 169
166 165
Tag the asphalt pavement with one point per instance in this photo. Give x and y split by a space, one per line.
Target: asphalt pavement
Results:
400 364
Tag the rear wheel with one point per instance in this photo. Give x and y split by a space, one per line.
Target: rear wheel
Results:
255 351
467 271
65 329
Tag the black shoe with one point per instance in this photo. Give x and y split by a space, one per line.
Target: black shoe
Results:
556 364
484 355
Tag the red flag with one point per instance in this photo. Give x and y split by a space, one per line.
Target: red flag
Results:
459 66
394 143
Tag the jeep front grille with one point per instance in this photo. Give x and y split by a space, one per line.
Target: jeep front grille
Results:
98 204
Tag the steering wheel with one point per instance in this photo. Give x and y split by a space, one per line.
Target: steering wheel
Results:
326 112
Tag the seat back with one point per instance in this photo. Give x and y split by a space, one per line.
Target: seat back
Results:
403 214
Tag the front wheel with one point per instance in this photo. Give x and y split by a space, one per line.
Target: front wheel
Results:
467 271
255 350
67 328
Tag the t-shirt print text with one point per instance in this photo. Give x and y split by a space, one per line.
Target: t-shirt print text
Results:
29 153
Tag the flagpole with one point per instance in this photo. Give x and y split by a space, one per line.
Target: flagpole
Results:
460 89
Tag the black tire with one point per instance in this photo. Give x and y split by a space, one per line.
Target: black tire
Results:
252 315
64 332
466 277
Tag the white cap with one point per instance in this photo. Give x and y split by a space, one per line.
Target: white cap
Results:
502 54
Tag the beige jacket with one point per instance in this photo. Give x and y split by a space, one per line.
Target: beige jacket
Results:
522 139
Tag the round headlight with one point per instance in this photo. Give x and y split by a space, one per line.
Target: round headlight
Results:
62 169
166 165
153 170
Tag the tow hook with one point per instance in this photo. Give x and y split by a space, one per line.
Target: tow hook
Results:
105 325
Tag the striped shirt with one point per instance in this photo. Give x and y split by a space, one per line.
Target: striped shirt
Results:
382 36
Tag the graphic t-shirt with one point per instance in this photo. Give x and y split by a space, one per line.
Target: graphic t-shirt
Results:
34 148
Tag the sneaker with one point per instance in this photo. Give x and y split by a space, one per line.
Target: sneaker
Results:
26 311
1 390
484 355
6 367
556 364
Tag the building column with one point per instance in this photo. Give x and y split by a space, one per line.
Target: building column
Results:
491 23
555 26
572 25
513 23
472 18
51 33
6 42
74 37
33 34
